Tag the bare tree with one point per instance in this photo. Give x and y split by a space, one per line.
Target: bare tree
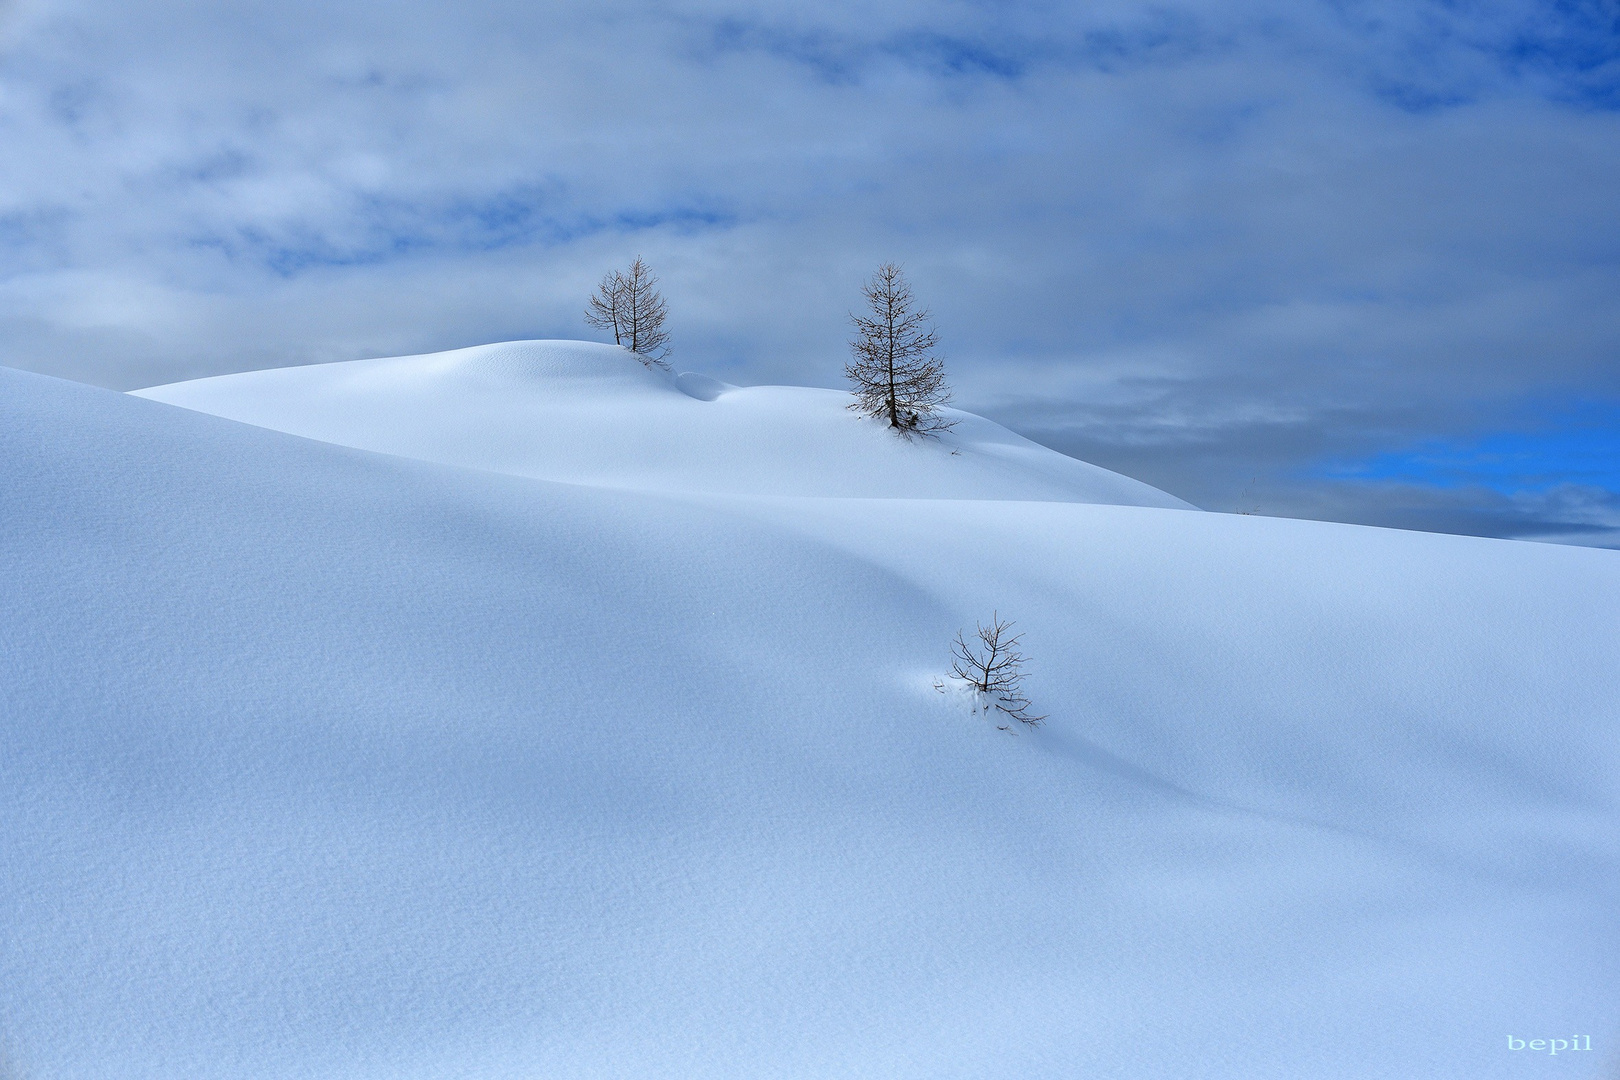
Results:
993 667
631 306
895 374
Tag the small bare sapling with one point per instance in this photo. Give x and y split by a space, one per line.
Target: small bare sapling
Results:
994 668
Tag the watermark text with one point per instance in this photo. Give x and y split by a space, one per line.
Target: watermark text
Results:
1551 1046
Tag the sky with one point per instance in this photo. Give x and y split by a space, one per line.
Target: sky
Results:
1346 259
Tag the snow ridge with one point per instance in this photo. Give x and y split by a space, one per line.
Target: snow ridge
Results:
591 414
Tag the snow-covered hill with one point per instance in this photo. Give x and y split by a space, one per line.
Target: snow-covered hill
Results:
592 414
318 762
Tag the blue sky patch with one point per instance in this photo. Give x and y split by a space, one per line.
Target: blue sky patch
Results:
397 229
1578 446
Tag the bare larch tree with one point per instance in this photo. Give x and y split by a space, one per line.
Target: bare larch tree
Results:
893 369
630 305
993 667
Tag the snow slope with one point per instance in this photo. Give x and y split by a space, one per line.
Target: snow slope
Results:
592 414
316 762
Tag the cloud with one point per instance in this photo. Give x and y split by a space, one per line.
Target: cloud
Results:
1219 245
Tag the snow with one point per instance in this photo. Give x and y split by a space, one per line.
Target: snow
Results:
322 762
591 414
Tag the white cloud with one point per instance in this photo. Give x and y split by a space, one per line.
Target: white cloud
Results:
1233 223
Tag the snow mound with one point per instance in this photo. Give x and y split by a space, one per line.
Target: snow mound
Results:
322 763
587 413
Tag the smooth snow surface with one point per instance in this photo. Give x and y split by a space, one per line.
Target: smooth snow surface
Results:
592 414
321 763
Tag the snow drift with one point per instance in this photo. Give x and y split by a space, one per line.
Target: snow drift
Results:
316 762
592 414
